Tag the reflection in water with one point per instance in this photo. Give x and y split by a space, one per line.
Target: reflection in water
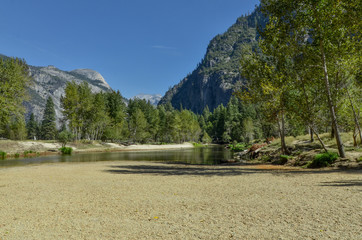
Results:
208 156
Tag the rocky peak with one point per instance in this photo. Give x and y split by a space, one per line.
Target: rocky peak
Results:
91 74
51 81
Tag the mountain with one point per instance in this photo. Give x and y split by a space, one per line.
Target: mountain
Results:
153 98
213 80
51 81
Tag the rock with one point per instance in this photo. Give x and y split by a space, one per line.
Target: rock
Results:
153 98
215 78
51 81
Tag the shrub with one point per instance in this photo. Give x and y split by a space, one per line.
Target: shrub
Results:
66 150
2 155
238 147
283 159
265 158
323 160
198 145
27 152
17 155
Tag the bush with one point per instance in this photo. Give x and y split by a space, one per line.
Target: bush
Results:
283 159
198 145
323 160
2 155
27 152
17 155
66 150
238 147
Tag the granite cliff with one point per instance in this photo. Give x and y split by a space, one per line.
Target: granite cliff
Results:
213 80
51 81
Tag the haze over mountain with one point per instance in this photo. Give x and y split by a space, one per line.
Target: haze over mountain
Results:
213 80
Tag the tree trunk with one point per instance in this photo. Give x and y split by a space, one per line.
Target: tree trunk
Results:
332 131
281 128
354 135
331 105
319 139
311 134
356 122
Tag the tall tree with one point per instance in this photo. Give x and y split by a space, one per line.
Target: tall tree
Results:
324 36
31 127
14 80
48 126
138 126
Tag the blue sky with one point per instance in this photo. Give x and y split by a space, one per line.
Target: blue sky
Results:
139 46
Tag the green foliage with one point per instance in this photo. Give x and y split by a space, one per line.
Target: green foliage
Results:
206 138
26 153
66 150
198 145
31 127
137 126
322 160
16 155
238 147
284 159
14 81
2 155
48 127
64 137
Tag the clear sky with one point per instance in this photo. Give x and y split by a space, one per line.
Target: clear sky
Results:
139 46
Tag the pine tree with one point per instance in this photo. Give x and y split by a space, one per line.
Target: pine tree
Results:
31 127
48 126
14 80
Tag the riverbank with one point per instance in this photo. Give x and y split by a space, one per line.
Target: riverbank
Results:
145 200
302 151
34 148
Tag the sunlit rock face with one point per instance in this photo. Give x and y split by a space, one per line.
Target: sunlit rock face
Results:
51 81
216 76
152 98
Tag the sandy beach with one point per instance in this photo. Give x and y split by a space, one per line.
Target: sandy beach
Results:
145 200
12 147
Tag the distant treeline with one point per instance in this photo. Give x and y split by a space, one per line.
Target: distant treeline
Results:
106 116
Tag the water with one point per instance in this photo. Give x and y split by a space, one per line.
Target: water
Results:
212 155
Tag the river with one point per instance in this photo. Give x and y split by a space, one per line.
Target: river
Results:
211 155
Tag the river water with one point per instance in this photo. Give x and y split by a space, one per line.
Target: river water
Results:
211 155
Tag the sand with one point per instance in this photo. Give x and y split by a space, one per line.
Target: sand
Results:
12 147
145 200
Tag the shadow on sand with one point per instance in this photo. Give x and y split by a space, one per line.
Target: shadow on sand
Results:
166 169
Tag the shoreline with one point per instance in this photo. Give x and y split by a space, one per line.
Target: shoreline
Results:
25 149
